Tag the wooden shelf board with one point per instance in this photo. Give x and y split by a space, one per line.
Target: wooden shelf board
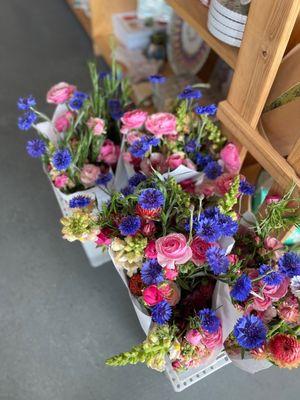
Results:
195 14
82 18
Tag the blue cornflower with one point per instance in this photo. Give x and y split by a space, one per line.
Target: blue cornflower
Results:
228 226
77 100
217 260
208 110
139 148
191 146
209 320
127 190
250 332
246 188
211 212
26 120
195 224
241 288
24 103
80 201
36 148
102 75
202 160
151 272
273 278
190 93
157 79
151 199
151 140
103 179
115 109
61 159
161 313
212 170
289 264
130 225
208 229
136 179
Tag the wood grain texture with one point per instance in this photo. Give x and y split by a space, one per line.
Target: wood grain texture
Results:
195 14
270 23
82 18
294 157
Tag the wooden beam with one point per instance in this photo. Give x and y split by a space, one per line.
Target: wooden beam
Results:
294 157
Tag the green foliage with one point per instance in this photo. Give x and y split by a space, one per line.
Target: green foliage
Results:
230 199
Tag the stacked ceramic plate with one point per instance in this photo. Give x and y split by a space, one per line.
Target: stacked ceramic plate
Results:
227 20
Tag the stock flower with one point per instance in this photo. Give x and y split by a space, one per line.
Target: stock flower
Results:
273 278
80 201
61 159
97 125
139 148
134 119
60 93
224 182
212 170
217 260
130 225
246 188
24 103
36 148
161 124
161 313
152 295
241 288
157 79
250 332
136 179
77 101
172 249
285 350
209 320
151 199
26 120
211 109
103 179
151 272
289 264
231 158
190 93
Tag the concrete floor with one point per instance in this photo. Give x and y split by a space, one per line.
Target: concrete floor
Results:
60 318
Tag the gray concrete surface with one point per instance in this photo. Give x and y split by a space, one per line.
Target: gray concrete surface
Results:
60 318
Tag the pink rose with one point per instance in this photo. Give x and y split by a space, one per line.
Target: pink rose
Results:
199 248
172 249
96 125
230 156
156 161
189 164
150 250
223 183
171 273
103 238
63 122
152 295
174 161
193 337
60 93
109 152
171 292
89 174
161 124
277 292
61 181
134 119
212 340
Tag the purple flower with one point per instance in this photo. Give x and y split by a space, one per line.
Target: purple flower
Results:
208 110
289 264
130 225
80 201
36 148
136 179
150 199
104 179
246 188
151 272
139 148
241 288
61 159
161 313
190 93
209 320
273 278
208 229
212 170
250 332
217 260
24 103
26 120
157 79
77 100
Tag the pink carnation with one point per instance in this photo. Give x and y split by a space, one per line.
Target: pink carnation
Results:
174 160
89 174
193 336
230 156
152 295
150 250
161 124
134 119
172 249
109 152
97 125
60 93
63 122
212 340
60 181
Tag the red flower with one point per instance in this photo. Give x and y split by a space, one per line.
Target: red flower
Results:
136 285
285 350
150 214
199 248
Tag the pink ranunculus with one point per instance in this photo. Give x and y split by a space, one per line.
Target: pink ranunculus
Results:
223 183
60 93
148 228
213 340
96 125
89 174
152 295
103 238
150 250
161 124
60 181
63 122
109 152
156 161
171 292
174 160
189 164
173 249
230 156
199 248
271 243
261 304
134 119
132 137
277 292
193 336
